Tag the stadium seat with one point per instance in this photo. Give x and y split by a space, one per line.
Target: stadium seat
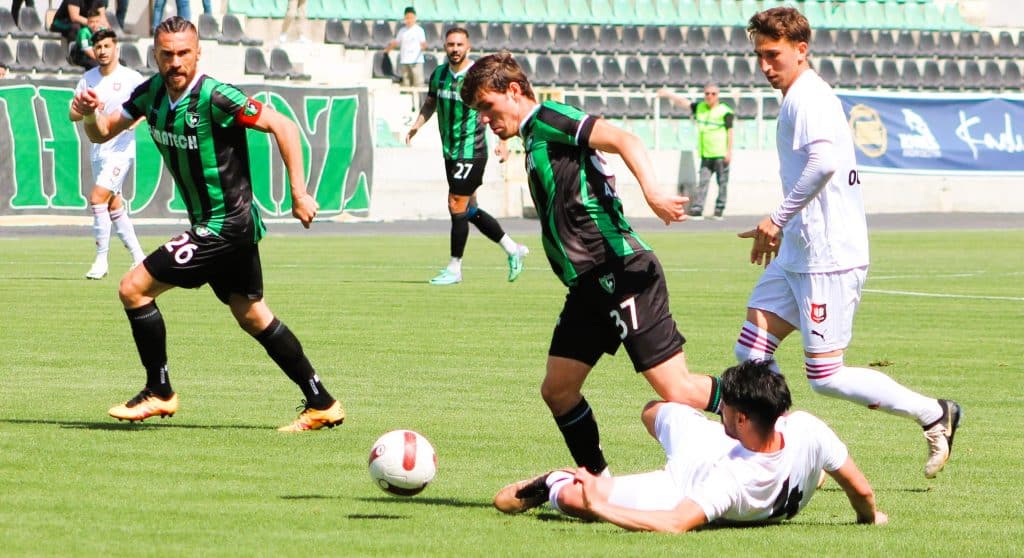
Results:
720 72
656 74
885 44
946 44
952 77
633 73
951 18
381 35
615 107
358 34
334 32
544 73
630 41
743 74
540 38
668 109
844 44
518 37
986 45
429 63
746 107
586 38
608 39
927 44
699 73
151 60
827 70
992 76
525 64
231 33
968 44
611 72
638 107
972 76
383 67
739 43
678 74
931 75
209 29
771 107
848 75
590 72
911 75
573 101
593 105
1005 47
651 41
7 26
696 40
433 31
568 73
565 40
672 42
822 42
27 58
475 30
869 77
717 42
29 22
1011 76
130 57
865 43
255 62
55 57
6 56
889 75
905 46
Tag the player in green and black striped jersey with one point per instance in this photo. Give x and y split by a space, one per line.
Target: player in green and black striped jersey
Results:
464 144
199 125
617 292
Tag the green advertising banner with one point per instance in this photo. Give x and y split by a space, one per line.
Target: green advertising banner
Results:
44 157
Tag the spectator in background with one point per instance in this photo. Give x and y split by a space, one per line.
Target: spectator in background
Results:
714 142
411 42
16 7
184 11
295 7
81 50
70 17
3 70
121 12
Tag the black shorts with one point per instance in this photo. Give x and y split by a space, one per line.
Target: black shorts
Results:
624 302
191 260
464 175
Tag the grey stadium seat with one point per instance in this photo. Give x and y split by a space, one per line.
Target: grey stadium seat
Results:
905 47
381 34
608 39
678 73
612 71
568 72
518 38
231 33
27 57
699 73
209 29
889 74
594 105
952 78
590 72
869 75
651 41
544 71
638 107
743 74
540 39
673 41
586 38
911 75
931 75
255 62
696 40
615 107
827 70
656 74
633 73
496 38
739 43
565 40
358 34
848 75
1011 76
55 57
630 40
717 42
885 45
972 76
334 32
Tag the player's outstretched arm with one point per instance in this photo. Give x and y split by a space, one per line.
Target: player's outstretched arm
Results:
286 134
859 492
685 517
99 127
426 111
608 138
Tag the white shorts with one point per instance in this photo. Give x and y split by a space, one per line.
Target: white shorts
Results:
109 173
820 305
693 444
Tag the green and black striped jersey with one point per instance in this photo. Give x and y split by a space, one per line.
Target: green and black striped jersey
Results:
203 144
462 133
581 215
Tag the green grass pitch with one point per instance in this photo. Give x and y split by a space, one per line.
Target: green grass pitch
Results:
462 365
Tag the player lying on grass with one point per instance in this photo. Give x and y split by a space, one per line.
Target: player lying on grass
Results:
759 464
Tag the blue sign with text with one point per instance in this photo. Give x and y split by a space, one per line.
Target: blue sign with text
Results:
937 133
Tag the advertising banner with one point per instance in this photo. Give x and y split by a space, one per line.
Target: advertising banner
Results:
44 157
937 134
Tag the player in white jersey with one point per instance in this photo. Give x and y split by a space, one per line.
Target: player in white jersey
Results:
111 161
757 465
814 245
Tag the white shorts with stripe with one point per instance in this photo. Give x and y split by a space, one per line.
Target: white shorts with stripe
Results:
820 305
110 172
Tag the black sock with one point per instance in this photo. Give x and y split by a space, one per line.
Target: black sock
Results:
487 225
282 346
579 428
151 341
460 235
715 398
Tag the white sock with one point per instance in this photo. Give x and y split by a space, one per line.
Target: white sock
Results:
126 232
871 388
556 481
755 343
101 229
508 245
455 266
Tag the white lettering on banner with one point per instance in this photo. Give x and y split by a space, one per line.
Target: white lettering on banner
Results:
181 141
1007 142
922 143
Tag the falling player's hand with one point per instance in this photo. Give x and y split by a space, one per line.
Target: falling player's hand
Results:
412 132
767 238
588 486
304 209
86 102
668 207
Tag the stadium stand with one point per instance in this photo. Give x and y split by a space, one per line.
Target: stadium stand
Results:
232 33
27 58
255 62
29 22
281 65
55 58
209 29
8 27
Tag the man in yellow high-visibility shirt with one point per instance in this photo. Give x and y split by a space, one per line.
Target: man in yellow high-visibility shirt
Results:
714 143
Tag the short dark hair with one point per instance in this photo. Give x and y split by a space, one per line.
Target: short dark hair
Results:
781 22
456 30
93 12
103 33
753 389
409 10
494 72
175 24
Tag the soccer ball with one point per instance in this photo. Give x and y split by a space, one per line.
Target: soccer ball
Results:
402 462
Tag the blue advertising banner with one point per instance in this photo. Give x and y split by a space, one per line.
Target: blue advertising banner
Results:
937 134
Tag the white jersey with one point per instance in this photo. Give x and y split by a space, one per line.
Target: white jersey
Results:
830 232
112 90
410 44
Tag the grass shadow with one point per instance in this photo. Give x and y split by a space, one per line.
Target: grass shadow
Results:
449 502
130 426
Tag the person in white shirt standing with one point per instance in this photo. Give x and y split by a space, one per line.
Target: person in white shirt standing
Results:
411 41
111 161
814 245
757 465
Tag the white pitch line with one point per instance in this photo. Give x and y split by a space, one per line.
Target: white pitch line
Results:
946 295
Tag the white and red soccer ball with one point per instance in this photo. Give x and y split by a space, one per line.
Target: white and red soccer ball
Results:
402 462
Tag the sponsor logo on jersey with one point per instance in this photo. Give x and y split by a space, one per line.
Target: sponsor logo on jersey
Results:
250 108
607 282
818 313
449 94
192 119
202 231
180 141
